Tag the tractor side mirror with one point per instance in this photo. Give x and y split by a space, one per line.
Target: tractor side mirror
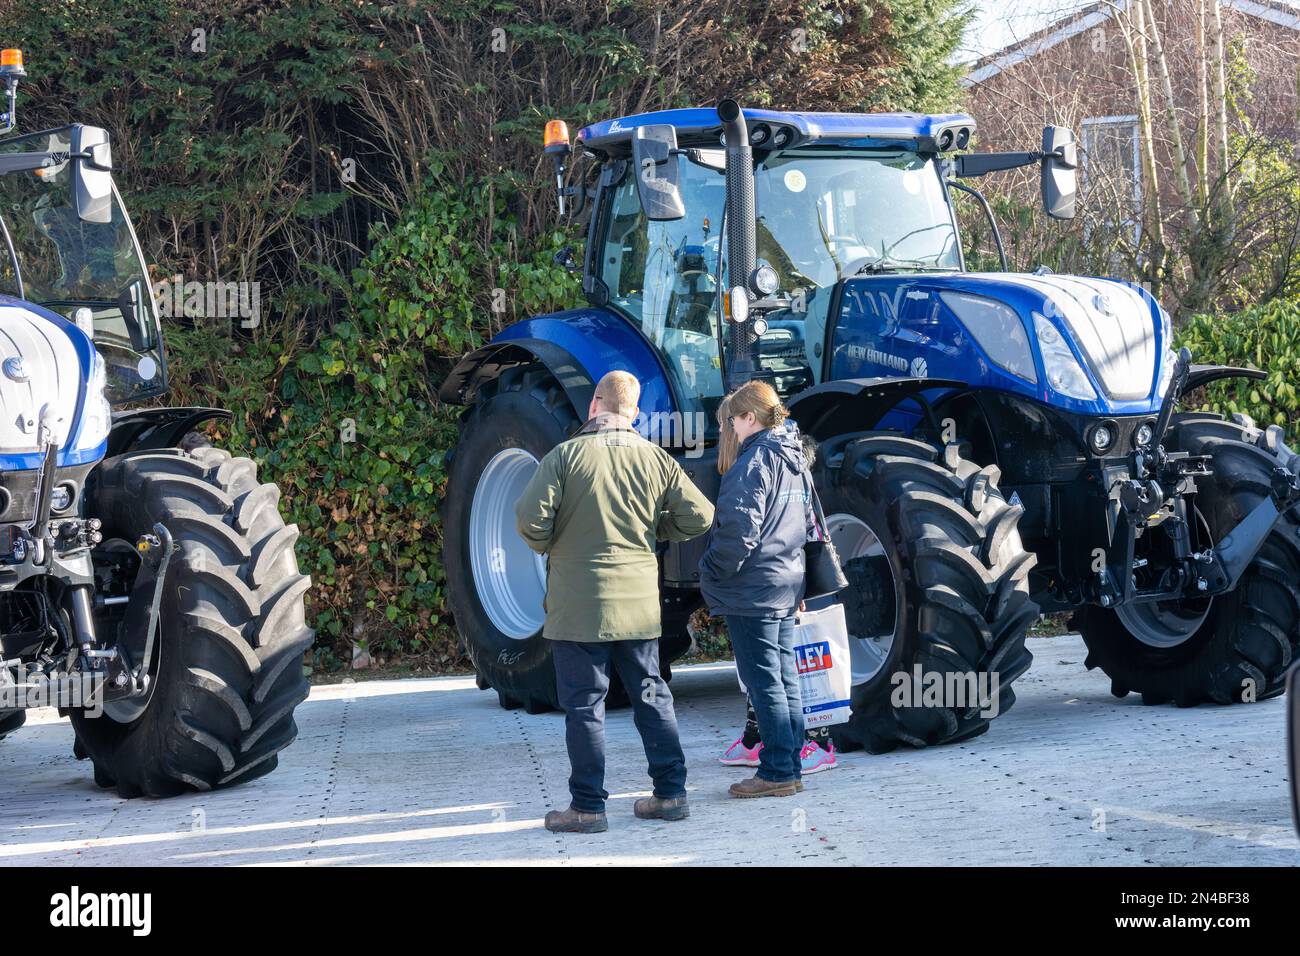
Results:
1060 162
658 176
93 174
1293 739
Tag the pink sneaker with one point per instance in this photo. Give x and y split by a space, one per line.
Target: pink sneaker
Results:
738 755
814 759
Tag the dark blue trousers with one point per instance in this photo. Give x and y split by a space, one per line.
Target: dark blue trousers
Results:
582 673
764 649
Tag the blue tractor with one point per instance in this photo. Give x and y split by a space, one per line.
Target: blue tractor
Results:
148 585
991 445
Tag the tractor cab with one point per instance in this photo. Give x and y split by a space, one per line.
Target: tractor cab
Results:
834 195
67 246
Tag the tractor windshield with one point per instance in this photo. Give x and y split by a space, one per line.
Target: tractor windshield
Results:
51 257
829 213
826 213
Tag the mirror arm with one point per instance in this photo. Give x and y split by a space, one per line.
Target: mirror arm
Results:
979 164
988 214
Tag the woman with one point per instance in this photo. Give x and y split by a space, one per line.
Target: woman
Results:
818 751
752 573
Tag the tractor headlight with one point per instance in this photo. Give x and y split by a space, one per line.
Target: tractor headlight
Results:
1064 373
1102 437
96 417
997 329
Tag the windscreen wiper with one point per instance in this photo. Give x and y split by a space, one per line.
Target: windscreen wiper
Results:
882 264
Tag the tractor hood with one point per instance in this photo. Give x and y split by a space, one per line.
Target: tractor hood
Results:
45 361
1091 345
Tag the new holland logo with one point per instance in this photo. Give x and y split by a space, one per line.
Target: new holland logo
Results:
863 354
14 369
919 368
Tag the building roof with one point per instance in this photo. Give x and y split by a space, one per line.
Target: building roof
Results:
1085 18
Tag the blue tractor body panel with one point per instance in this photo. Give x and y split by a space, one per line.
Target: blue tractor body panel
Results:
903 325
601 340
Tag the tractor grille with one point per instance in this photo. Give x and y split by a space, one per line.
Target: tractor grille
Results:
18 492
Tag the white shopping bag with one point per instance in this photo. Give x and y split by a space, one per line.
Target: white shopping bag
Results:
821 655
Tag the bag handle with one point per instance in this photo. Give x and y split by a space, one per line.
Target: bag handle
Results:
819 516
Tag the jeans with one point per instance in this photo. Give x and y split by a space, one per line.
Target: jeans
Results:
582 672
764 649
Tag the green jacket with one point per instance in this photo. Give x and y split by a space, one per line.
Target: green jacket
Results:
595 507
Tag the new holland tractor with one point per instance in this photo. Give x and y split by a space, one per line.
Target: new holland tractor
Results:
148 585
991 445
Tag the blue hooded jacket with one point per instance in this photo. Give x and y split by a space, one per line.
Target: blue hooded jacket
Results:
754 563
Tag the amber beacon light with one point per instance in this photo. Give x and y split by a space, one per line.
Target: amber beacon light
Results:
555 143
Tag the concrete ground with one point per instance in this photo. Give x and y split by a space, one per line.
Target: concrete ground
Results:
432 771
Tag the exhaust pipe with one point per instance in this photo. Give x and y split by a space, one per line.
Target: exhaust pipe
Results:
742 239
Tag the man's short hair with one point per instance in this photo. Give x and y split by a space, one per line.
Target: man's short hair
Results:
618 392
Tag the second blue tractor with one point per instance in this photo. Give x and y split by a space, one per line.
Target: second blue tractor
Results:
991 445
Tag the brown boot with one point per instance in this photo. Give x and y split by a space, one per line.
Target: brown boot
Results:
657 808
757 787
575 821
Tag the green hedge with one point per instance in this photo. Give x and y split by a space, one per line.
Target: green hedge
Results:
1266 337
354 433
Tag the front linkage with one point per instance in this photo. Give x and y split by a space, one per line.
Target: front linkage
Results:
1153 490
61 550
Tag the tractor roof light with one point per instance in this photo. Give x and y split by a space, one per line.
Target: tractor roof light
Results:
11 63
555 143
555 138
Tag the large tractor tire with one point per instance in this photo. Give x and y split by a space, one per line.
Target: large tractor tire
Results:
495 583
227 672
11 720
938 581
1233 647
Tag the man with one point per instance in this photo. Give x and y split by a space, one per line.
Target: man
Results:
596 506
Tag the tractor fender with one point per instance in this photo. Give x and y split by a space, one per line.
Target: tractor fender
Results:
577 347
145 429
484 364
1204 374
853 404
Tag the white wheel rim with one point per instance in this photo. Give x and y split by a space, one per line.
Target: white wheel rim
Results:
853 538
509 577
